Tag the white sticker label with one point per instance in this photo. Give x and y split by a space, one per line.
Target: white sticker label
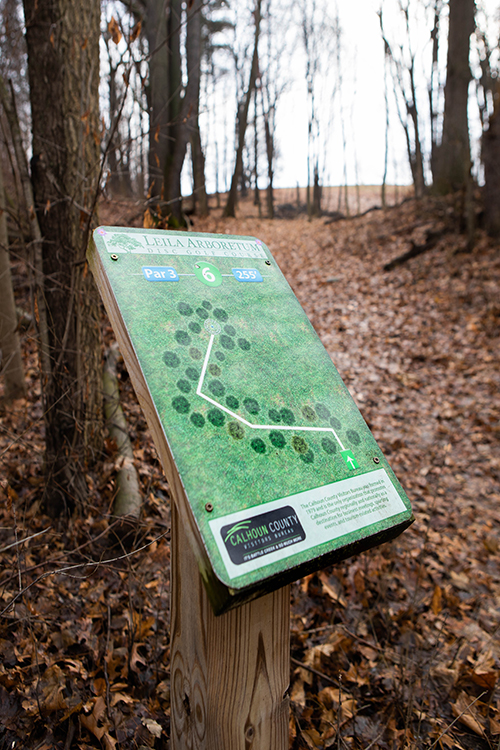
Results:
250 539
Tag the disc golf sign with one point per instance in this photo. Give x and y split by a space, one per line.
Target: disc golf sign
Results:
281 473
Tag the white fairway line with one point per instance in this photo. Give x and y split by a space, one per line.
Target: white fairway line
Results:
249 424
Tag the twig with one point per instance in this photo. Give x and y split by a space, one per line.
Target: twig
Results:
105 666
25 539
430 242
64 571
309 669
373 742
19 573
457 719
72 552
339 712
362 640
70 735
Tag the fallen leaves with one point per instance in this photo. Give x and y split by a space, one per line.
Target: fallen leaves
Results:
114 30
464 710
398 648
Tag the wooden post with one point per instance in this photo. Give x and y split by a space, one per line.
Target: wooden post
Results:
229 675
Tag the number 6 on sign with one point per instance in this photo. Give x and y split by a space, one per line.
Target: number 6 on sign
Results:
208 274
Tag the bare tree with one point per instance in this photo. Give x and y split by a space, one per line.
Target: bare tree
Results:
256 199
217 59
157 29
312 48
491 160
488 97
187 130
12 69
402 57
320 36
242 117
63 63
435 87
119 178
453 161
274 79
13 57
11 364
387 123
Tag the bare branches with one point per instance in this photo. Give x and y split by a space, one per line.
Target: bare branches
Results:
8 103
88 568
402 58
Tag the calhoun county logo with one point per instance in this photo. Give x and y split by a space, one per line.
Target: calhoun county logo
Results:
260 535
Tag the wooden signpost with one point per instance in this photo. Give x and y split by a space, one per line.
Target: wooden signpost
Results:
273 472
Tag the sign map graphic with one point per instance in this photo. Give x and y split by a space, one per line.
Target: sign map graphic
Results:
262 429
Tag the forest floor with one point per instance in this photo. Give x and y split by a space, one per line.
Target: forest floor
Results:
396 648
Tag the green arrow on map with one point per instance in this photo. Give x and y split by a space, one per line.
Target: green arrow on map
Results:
349 459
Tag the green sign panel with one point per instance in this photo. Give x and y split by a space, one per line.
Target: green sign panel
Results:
281 472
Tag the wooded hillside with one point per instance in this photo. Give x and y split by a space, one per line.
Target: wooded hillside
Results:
396 648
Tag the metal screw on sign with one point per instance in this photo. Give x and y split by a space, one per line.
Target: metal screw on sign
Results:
268 262
209 507
376 460
114 257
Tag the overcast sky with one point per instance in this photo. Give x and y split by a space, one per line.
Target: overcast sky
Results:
362 101
353 129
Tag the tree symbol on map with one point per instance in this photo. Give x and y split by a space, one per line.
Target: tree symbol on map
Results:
124 241
244 417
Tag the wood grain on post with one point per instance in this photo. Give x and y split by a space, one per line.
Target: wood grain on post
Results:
229 675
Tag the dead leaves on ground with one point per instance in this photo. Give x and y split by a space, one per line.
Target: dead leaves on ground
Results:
398 648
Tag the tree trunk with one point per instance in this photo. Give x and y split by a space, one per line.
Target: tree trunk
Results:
491 161
198 158
453 156
193 54
158 92
11 364
35 259
113 184
256 195
434 89
230 208
402 71
187 122
127 500
316 202
416 158
176 146
63 65
270 167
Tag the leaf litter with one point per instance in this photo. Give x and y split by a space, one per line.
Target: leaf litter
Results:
396 648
